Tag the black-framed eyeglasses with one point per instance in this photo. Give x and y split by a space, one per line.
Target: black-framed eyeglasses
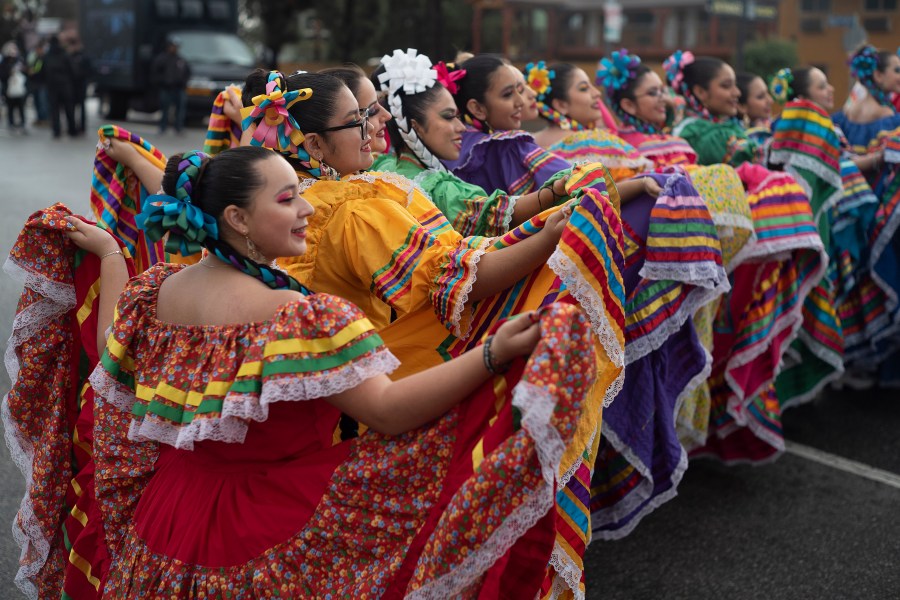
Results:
362 123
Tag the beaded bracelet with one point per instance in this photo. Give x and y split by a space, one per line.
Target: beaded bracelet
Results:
489 363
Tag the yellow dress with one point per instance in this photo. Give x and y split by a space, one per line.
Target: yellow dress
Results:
379 242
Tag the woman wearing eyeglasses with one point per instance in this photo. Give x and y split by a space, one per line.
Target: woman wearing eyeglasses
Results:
429 291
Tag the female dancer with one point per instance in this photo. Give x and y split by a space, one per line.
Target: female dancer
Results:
812 148
641 465
868 122
788 259
411 261
425 130
637 97
276 357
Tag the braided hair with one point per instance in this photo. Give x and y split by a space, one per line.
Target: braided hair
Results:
560 77
863 65
211 185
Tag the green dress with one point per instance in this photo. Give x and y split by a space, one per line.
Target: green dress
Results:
717 141
470 209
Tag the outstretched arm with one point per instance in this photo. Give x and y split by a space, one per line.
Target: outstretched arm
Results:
113 272
500 269
632 188
529 205
395 407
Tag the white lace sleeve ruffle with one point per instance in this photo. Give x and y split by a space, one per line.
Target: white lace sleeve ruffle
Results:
58 299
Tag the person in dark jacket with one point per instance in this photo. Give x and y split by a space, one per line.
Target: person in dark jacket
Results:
81 73
170 73
60 87
37 83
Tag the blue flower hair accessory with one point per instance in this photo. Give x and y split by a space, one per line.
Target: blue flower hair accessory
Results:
185 222
781 85
863 64
615 72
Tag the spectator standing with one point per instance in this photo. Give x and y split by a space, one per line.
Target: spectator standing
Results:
59 80
170 73
13 82
37 83
81 74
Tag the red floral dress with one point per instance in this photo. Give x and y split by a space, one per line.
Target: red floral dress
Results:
219 475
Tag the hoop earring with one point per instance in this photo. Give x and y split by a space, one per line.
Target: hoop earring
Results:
252 252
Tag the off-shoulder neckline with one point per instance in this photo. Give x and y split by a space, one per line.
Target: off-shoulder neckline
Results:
166 270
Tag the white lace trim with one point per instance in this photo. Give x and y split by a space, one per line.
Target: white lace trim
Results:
676 131
27 532
419 180
397 180
887 234
570 471
305 184
491 138
694 301
640 495
61 293
725 219
536 405
592 304
792 320
463 329
506 221
568 574
891 156
651 505
792 159
239 410
830 358
692 437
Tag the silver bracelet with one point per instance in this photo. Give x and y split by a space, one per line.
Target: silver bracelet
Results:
111 253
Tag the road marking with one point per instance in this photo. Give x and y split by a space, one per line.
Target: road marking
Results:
843 464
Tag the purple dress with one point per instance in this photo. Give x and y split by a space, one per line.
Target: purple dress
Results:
640 460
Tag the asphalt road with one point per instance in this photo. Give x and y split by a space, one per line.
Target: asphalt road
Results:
822 522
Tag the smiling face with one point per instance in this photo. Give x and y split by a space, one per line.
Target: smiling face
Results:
503 104
276 218
367 98
721 96
441 128
530 110
819 90
649 103
582 99
758 105
347 150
